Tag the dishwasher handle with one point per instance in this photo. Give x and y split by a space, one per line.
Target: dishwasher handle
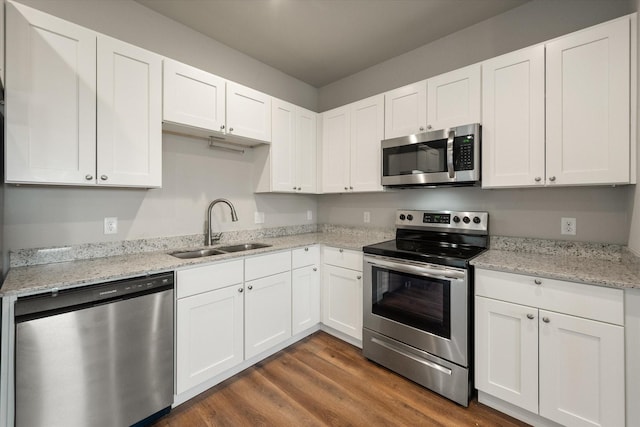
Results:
54 301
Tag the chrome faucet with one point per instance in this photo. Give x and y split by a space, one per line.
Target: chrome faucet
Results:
210 238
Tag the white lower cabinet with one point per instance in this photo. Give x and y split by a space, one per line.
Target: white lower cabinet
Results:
342 291
209 322
305 289
267 313
552 348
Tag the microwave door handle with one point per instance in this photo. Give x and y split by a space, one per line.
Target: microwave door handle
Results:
452 136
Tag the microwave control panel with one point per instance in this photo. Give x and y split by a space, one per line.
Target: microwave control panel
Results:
463 153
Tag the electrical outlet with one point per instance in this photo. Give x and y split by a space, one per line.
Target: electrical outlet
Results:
568 226
111 225
367 217
309 215
258 217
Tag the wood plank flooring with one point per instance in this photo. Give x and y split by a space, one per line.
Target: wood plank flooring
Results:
323 381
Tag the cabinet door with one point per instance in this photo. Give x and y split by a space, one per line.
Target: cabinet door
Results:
581 371
209 335
267 313
453 99
283 152
129 109
306 151
513 119
367 130
336 125
193 97
506 354
405 110
588 94
248 113
51 99
305 296
342 300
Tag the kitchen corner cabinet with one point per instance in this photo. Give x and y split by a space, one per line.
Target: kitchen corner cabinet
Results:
588 106
288 164
551 347
81 108
453 98
351 138
209 322
267 302
193 97
342 291
513 141
305 288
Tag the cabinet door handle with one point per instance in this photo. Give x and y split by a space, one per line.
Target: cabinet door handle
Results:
240 290
421 128
294 188
530 316
306 249
250 287
346 188
88 177
350 188
552 178
537 281
299 188
546 319
429 127
341 250
537 179
359 277
315 268
221 127
104 177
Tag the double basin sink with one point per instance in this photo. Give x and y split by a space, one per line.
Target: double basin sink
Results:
200 253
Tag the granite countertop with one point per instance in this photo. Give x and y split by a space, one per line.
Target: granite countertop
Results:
610 272
38 278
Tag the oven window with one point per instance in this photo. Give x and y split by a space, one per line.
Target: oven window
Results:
418 301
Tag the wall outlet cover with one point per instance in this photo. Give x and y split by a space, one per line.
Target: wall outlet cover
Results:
309 215
258 217
111 225
568 226
367 217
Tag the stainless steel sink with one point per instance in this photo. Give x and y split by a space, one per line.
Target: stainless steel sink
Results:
200 253
243 247
197 253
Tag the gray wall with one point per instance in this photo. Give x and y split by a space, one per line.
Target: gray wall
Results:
531 23
603 213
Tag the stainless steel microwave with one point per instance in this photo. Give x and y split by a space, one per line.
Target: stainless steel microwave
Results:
443 157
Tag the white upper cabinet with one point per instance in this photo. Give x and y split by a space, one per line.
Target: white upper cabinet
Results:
288 164
588 106
82 108
513 119
351 146
129 115
248 113
51 100
193 97
453 98
405 110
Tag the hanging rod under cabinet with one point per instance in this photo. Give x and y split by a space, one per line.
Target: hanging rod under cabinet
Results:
213 143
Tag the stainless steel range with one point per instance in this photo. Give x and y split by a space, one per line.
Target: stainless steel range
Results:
417 299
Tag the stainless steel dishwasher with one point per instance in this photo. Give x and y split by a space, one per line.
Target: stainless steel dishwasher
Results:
98 355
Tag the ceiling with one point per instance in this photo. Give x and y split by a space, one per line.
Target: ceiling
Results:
321 41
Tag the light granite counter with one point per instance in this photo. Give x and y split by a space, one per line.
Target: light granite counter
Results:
58 275
611 271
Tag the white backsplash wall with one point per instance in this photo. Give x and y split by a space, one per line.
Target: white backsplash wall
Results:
193 175
601 212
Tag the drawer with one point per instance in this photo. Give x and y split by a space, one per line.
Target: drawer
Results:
266 265
343 258
302 257
208 278
577 299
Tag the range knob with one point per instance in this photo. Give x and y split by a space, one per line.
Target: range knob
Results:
466 220
402 217
456 219
476 220
410 217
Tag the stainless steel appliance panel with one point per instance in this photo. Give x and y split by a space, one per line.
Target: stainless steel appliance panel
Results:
453 348
439 375
106 365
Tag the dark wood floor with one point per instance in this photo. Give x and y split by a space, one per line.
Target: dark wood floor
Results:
323 381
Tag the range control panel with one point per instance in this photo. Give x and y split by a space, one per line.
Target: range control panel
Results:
451 221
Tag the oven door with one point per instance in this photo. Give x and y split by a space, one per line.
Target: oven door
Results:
422 305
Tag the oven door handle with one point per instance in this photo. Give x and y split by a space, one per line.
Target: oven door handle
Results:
445 273
450 139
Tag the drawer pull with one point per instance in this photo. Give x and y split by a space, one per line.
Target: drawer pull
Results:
341 250
530 316
306 249
315 268
537 282
359 277
250 287
546 319
240 290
